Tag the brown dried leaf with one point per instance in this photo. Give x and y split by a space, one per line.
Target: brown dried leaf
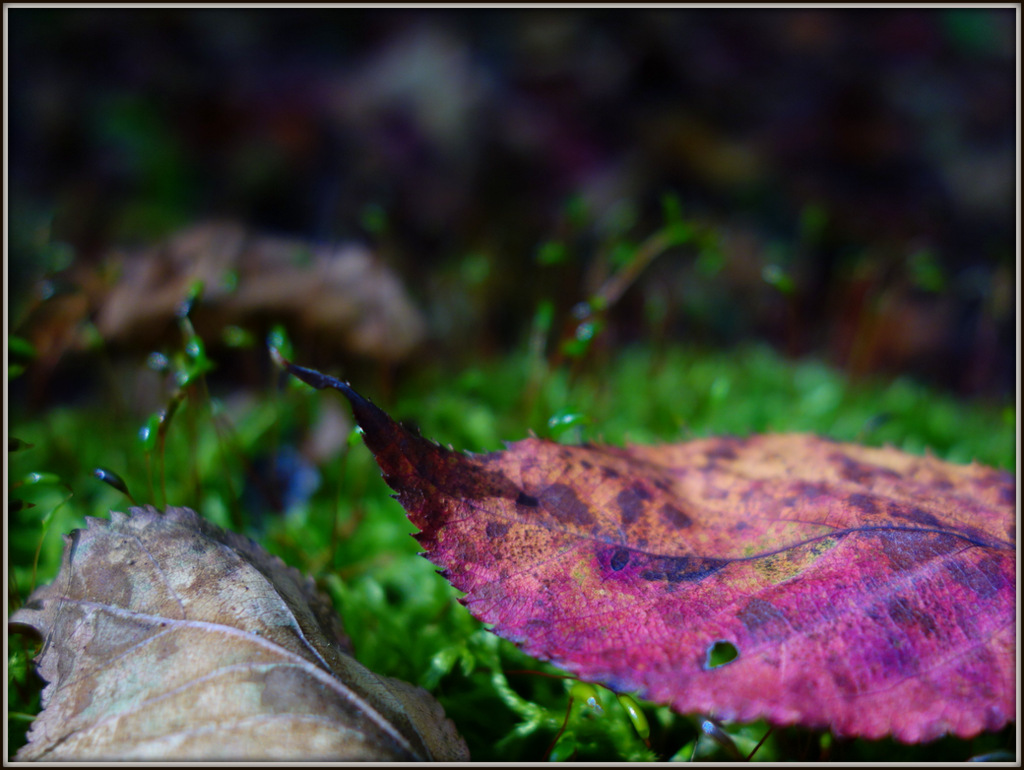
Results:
167 638
343 296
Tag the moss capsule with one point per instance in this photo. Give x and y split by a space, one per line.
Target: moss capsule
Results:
587 693
635 714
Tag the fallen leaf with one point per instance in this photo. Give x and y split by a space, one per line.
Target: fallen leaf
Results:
342 298
167 638
863 590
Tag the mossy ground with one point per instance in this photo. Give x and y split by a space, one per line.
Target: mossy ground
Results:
403 618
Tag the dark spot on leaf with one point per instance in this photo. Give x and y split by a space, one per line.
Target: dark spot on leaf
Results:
967 620
561 502
763 619
805 489
914 514
619 559
864 503
983 581
676 569
896 655
675 517
910 550
994 477
609 473
844 684
586 464
630 502
903 614
722 451
1008 494
527 500
720 653
860 473
496 529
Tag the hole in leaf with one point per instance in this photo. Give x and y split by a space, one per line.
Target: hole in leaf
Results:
720 653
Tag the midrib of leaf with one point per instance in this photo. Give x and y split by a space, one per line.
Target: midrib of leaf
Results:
326 677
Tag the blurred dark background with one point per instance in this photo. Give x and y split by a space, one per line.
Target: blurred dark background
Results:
856 168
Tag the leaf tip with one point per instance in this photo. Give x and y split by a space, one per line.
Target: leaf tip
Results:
376 426
319 380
